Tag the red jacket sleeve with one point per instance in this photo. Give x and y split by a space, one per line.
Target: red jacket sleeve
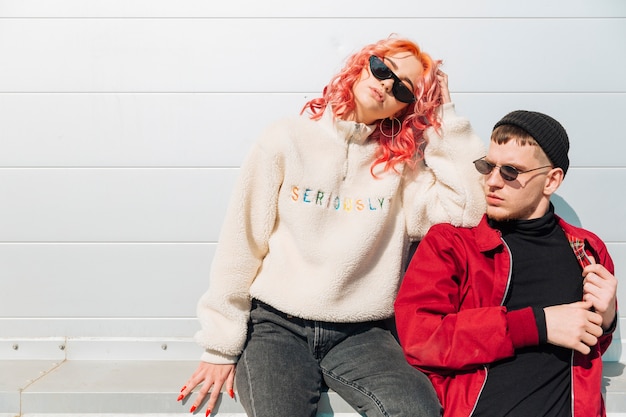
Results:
448 310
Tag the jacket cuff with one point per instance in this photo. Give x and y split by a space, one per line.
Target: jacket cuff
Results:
613 326
522 328
540 321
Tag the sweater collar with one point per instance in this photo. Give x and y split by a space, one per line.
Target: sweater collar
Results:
346 129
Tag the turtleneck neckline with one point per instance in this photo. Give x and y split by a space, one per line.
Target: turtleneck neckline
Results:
534 227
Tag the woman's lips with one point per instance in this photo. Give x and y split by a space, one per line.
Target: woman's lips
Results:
378 96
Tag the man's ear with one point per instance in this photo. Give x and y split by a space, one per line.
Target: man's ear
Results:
554 178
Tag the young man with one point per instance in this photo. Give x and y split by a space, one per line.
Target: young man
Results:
511 317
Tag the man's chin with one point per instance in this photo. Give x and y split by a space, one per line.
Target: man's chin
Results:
497 214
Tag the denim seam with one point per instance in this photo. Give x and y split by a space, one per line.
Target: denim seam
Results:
316 340
357 388
245 362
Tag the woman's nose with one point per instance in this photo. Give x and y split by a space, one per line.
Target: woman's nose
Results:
387 84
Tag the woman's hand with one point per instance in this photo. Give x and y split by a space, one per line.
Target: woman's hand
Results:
209 375
442 78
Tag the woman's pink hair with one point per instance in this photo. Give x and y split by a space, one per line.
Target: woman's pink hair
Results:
407 146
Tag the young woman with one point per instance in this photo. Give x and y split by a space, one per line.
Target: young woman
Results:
311 252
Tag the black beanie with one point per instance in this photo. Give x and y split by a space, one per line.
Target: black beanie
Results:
548 133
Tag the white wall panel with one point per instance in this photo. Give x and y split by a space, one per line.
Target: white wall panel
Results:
618 253
99 327
319 8
593 121
122 124
191 55
586 198
103 280
136 129
113 205
189 130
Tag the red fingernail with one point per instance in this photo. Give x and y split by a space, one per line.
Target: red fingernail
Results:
180 397
183 388
231 393
208 411
193 408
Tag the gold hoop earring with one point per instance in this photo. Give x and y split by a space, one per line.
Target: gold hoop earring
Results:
392 122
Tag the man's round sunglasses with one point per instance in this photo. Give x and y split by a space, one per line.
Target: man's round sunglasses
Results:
382 72
507 172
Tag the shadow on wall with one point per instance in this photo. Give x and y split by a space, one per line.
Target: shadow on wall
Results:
611 372
565 211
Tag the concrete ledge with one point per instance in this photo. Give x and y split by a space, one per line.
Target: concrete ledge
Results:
102 388
72 377
84 387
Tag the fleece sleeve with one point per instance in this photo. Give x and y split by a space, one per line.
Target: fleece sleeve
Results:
445 187
224 309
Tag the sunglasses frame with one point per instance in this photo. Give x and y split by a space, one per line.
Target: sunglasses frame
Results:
398 88
507 172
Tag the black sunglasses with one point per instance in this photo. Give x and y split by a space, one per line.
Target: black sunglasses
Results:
382 72
507 172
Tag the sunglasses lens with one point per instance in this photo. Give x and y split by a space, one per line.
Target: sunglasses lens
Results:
402 93
508 172
382 72
483 166
379 69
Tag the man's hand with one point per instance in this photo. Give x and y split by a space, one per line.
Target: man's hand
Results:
573 326
600 288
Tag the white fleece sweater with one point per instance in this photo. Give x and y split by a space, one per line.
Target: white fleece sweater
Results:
312 233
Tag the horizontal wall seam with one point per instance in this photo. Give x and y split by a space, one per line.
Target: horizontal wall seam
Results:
318 17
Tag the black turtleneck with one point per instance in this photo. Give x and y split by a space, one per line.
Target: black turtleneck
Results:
545 272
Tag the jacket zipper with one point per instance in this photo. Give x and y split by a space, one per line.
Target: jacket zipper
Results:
571 375
508 280
506 290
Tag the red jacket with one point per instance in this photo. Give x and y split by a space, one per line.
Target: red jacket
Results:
452 324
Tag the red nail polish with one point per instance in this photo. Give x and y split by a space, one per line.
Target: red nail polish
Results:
183 388
208 412
193 408
231 393
180 397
